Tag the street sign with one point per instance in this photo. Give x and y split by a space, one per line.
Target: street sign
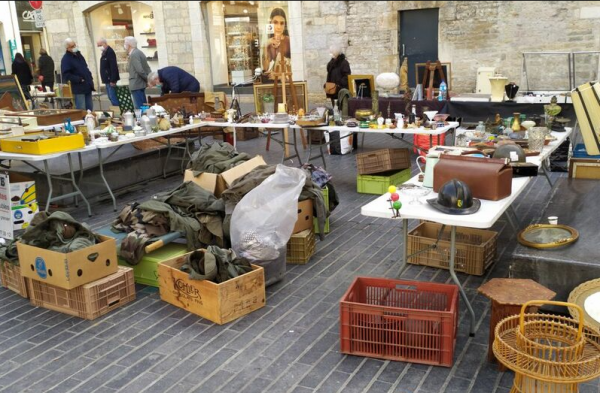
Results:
37 5
39 18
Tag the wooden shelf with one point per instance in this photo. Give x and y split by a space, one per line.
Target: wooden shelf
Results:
149 47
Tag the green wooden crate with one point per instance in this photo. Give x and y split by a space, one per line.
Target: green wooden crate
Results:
379 184
325 191
146 272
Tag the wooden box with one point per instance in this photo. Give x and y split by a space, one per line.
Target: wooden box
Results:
219 303
88 301
191 102
584 168
48 117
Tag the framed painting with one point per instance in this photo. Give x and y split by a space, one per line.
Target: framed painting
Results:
361 85
420 73
265 90
11 95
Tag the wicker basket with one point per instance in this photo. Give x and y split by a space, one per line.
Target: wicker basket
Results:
548 353
383 160
475 248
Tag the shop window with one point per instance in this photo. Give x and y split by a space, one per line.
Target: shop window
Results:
245 35
117 20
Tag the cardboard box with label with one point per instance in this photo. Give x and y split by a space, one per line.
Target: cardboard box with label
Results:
217 183
69 270
305 216
18 203
219 303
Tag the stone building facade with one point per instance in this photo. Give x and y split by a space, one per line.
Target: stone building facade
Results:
471 35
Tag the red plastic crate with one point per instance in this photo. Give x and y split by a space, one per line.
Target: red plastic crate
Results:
407 321
421 141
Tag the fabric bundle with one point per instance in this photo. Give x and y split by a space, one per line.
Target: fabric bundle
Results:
216 158
215 264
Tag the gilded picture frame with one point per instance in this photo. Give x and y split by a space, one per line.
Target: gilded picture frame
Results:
267 88
354 82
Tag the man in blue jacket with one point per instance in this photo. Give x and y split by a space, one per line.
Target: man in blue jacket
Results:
109 70
173 80
74 69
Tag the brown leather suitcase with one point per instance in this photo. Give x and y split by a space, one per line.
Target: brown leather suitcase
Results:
488 178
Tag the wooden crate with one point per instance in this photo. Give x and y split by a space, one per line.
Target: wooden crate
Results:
47 117
10 275
584 168
301 247
382 160
475 248
88 301
247 133
219 303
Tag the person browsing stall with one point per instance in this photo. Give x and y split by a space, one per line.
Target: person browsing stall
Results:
74 69
338 70
46 70
173 80
21 69
138 68
109 70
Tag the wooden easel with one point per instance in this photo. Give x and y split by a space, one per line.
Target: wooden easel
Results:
282 70
429 75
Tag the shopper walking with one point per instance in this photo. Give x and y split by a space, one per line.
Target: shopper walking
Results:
46 70
109 70
21 69
74 69
139 70
173 80
338 70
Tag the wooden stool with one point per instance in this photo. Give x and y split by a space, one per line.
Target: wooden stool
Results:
508 296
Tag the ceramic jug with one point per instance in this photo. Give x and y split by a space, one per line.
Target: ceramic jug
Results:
430 161
128 119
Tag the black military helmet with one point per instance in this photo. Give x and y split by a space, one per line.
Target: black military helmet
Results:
455 198
504 151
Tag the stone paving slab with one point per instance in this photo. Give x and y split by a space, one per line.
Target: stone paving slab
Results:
290 345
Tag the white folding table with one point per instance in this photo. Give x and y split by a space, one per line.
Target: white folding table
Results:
391 132
100 147
486 217
31 159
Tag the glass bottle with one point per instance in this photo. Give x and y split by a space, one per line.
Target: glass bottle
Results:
336 112
413 115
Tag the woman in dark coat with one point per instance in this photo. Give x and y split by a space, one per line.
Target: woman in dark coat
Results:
21 69
338 70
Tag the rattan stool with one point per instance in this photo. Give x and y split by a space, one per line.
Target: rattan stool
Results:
507 296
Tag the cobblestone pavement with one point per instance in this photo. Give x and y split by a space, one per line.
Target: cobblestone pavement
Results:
291 345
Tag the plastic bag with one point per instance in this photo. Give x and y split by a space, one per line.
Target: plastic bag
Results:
263 221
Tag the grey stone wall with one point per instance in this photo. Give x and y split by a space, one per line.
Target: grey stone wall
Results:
472 34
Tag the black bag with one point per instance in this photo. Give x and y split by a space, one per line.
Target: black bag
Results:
335 148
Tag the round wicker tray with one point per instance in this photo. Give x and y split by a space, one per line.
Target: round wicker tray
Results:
579 296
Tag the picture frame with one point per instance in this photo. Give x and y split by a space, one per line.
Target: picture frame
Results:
420 72
354 82
267 88
14 98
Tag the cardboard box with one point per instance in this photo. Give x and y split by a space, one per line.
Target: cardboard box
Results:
11 278
88 301
18 203
72 269
219 303
305 216
219 183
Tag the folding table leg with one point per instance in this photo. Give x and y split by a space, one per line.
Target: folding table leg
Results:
167 159
50 189
101 164
546 170
76 187
455 279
